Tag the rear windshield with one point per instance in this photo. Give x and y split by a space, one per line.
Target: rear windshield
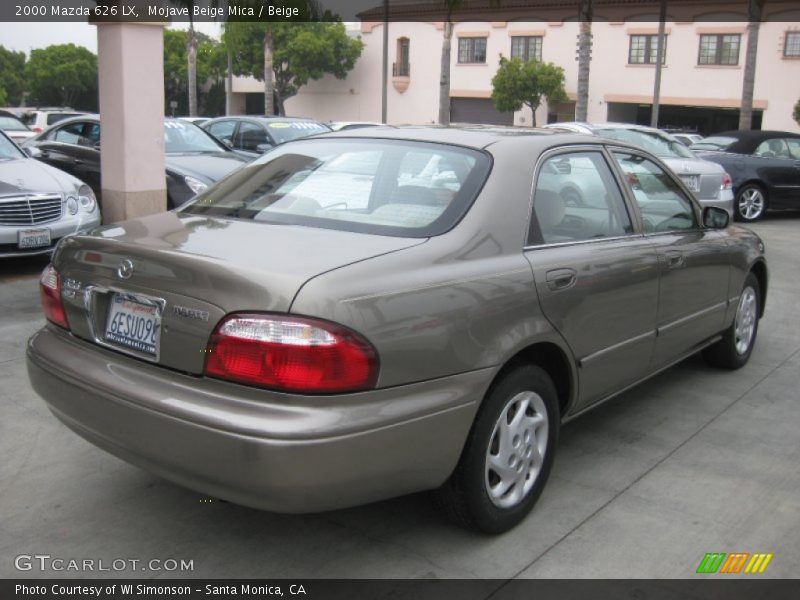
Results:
284 131
385 187
658 143
714 143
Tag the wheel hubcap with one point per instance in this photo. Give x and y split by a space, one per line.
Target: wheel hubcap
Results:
516 449
745 325
751 203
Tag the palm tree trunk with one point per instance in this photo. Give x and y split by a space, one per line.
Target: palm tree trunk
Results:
269 75
444 81
191 71
229 85
749 79
584 59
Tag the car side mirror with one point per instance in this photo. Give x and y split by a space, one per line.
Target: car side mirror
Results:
33 151
263 148
715 217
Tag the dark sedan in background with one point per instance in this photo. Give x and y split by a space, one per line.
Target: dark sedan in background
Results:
252 136
764 166
194 159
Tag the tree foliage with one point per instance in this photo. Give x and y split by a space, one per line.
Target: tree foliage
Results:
3 96
517 84
301 52
12 75
796 113
63 74
211 67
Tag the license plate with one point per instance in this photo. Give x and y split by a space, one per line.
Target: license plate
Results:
134 322
33 238
692 182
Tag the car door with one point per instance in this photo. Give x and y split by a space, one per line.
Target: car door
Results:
595 274
694 262
794 150
60 147
776 167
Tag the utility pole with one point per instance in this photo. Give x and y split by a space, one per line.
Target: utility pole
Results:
659 59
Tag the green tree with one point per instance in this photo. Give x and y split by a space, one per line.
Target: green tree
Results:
299 52
3 96
12 75
209 69
796 113
63 74
517 84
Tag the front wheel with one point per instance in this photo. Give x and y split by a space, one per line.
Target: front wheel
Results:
751 203
734 349
508 454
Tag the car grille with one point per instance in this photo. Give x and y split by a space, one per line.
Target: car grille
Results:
30 210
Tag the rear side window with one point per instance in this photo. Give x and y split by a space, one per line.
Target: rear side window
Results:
68 134
661 202
222 130
250 136
385 187
576 199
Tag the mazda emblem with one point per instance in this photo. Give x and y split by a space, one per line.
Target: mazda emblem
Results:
125 269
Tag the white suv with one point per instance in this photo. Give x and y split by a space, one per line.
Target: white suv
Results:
40 119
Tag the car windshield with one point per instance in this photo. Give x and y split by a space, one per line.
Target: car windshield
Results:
653 141
12 124
714 143
385 187
284 131
8 149
183 137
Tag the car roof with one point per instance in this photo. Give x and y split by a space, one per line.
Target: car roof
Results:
747 141
272 119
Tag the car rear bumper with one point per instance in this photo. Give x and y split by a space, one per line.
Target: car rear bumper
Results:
263 449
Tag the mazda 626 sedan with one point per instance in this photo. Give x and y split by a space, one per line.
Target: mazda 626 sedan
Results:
371 313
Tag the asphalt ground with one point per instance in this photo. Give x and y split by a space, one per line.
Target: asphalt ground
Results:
695 460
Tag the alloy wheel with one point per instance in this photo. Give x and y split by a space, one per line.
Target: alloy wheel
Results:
751 203
745 321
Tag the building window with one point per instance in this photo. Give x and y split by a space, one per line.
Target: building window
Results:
527 47
472 50
402 67
719 49
791 45
643 50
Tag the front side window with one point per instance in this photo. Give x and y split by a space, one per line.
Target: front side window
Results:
222 130
643 50
384 187
527 47
577 199
472 50
250 136
69 134
661 202
775 148
791 44
719 49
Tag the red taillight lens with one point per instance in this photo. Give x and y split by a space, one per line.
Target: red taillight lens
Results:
293 354
50 292
727 183
37 130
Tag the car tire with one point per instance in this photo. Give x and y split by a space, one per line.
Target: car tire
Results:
751 203
734 349
498 453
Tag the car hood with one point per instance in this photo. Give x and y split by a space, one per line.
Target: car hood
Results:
205 167
29 176
696 166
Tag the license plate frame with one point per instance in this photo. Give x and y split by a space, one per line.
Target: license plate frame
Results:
126 324
692 182
40 237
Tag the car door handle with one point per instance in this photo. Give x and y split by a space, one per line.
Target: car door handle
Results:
561 279
673 259
78 161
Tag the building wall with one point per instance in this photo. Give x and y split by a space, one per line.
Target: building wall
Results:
684 82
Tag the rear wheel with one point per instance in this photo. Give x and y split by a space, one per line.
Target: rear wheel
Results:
508 455
734 349
751 203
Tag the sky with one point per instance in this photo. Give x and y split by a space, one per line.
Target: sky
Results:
25 36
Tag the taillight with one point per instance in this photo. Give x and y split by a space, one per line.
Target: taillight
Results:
50 292
727 182
292 354
37 130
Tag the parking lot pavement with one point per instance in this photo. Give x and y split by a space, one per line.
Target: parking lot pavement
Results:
695 460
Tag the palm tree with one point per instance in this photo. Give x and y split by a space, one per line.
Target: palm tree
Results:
191 68
584 59
444 80
749 80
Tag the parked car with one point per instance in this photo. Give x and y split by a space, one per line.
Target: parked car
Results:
252 136
345 125
765 166
193 158
687 139
430 327
707 181
14 127
195 120
41 119
39 205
